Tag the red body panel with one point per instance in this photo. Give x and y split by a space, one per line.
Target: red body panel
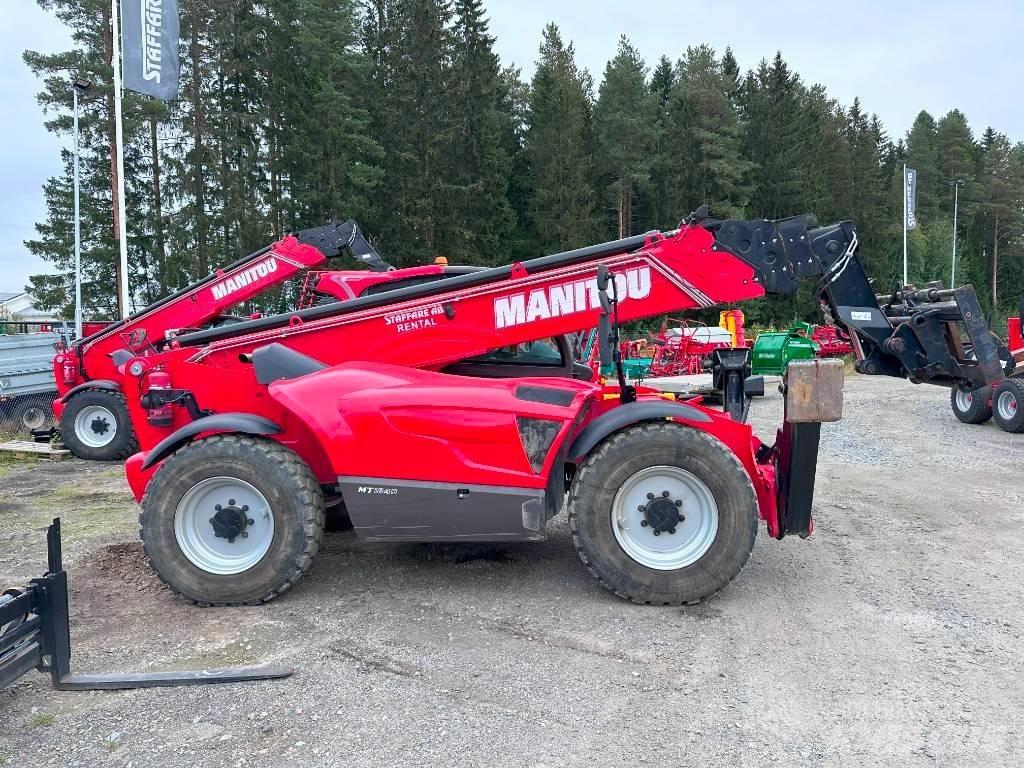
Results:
668 274
396 422
1014 339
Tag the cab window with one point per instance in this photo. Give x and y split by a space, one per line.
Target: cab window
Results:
537 352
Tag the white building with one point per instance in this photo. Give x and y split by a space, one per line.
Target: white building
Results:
18 306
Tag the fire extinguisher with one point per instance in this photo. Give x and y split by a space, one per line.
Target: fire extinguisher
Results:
158 412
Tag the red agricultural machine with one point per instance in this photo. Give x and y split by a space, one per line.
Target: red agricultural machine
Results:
1004 403
831 341
427 413
90 408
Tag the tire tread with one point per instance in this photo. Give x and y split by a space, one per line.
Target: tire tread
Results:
306 488
597 456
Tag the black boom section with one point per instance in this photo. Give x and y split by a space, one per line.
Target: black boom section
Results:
779 251
435 288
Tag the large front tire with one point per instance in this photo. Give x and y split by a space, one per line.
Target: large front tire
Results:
95 425
625 530
232 520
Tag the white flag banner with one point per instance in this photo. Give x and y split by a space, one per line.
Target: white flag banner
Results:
910 196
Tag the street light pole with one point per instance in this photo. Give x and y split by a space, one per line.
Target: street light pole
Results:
78 86
956 200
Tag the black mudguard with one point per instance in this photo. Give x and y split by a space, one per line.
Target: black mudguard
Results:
95 384
624 416
219 422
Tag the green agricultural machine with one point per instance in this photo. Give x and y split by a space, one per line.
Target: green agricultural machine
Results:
774 351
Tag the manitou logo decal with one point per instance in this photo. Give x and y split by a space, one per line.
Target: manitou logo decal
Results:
244 278
568 298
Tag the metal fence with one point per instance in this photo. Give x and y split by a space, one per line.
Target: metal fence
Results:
27 386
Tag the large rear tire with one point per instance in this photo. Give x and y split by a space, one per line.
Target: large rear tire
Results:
232 520
1008 405
973 407
664 514
95 426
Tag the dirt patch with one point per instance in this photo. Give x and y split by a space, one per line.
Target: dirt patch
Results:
117 566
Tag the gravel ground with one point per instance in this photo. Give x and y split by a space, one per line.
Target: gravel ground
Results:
892 636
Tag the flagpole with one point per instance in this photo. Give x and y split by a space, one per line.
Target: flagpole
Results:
122 226
906 281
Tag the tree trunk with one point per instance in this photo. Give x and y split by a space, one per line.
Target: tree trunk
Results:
158 214
995 264
622 210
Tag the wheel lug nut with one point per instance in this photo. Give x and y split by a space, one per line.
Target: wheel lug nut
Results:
657 533
245 534
217 507
664 494
643 523
231 540
650 496
642 508
245 507
670 530
231 502
679 503
250 521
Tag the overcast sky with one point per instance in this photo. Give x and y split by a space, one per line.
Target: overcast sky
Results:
898 57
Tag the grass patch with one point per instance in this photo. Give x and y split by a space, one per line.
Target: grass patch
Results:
83 513
42 720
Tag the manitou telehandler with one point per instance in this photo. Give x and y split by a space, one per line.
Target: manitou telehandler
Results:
250 430
90 407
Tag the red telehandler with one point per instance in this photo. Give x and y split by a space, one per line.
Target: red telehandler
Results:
249 431
90 408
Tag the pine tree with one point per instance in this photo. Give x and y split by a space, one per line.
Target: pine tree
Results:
625 133
656 208
774 139
478 218
323 160
1002 205
922 146
559 149
705 138
513 106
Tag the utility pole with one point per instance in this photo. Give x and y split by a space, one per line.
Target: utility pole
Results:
122 226
905 278
78 86
956 200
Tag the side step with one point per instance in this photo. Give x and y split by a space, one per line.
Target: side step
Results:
35 634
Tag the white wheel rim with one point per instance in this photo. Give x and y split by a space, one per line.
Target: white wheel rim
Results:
95 426
694 533
964 400
1006 405
34 417
199 542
